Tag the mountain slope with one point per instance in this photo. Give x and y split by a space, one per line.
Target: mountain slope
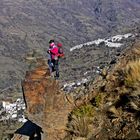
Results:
111 107
107 108
29 24
71 21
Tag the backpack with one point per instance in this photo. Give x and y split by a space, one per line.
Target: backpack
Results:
60 50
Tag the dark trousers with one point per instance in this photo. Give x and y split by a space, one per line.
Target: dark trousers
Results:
50 65
56 67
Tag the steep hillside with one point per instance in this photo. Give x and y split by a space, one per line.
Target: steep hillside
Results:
72 22
111 107
85 61
29 24
108 108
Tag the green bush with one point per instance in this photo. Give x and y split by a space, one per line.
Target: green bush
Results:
84 111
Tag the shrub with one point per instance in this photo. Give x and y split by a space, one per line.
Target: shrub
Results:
84 111
78 126
132 74
80 119
98 100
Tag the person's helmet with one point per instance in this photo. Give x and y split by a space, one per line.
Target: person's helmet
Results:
51 41
59 44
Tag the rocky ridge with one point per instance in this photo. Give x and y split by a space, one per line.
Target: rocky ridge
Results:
79 86
47 106
108 107
112 107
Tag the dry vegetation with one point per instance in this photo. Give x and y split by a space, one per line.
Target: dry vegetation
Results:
115 110
132 73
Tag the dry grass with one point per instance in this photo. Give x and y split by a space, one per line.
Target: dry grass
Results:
132 73
136 50
117 98
135 100
78 126
80 120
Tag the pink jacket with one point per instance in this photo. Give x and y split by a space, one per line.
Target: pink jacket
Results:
54 51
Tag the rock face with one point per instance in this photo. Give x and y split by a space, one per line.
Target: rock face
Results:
113 111
46 104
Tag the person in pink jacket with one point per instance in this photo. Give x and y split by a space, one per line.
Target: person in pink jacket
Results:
54 58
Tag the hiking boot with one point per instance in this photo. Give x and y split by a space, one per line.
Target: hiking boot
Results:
56 77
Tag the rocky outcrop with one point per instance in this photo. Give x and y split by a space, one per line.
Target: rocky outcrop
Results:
47 106
112 110
107 108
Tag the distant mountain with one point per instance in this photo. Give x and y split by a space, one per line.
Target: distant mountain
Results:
72 21
26 25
